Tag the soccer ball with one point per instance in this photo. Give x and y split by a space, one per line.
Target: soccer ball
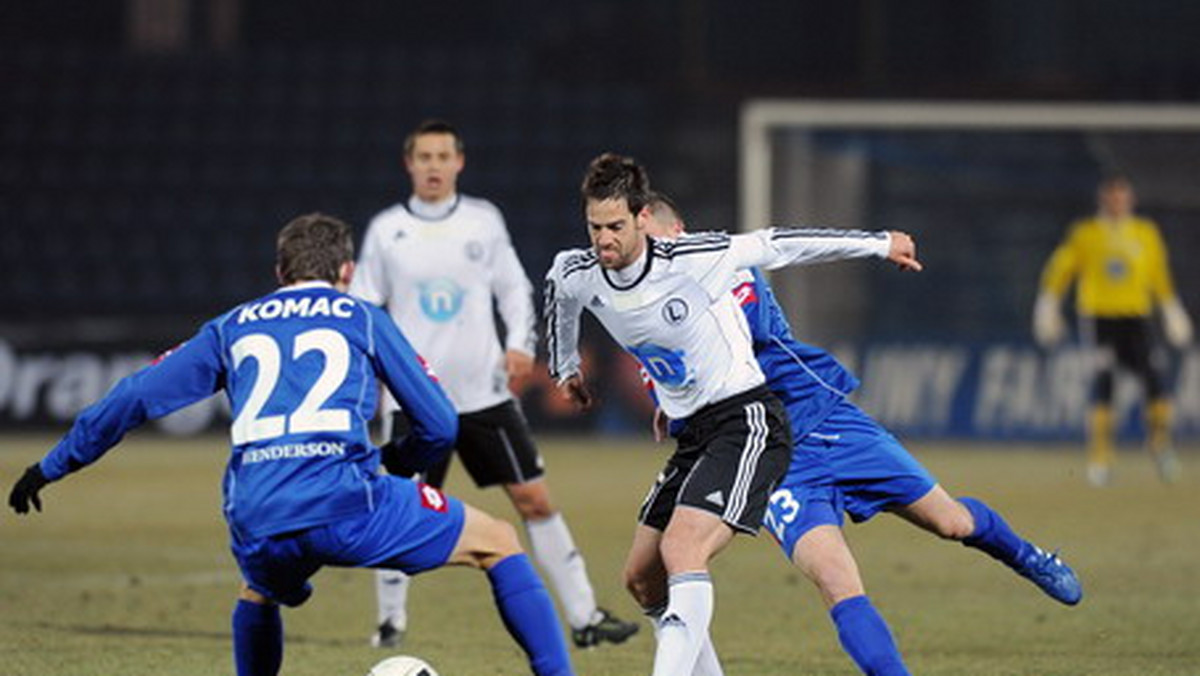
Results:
402 665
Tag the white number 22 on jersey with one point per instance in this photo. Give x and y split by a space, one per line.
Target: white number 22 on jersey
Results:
308 415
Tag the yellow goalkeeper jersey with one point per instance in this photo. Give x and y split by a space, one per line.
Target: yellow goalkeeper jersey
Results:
1121 267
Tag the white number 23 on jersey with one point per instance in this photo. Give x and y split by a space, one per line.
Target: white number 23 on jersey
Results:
308 415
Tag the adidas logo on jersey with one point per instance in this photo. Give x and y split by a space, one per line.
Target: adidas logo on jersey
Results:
672 620
716 498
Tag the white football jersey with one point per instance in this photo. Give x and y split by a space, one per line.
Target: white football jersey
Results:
673 308
436 269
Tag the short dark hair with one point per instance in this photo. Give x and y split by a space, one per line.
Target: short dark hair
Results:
1114 179
432 126
657 201
313 247
613 176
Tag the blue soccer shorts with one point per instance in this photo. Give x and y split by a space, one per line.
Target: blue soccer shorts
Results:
848 464
413 528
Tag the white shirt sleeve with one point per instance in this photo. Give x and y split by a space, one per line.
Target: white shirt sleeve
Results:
714 263
562 309
775 248
514 295
370 280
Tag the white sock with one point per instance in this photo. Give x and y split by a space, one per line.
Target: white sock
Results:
391 591
684 625
707 664
555 552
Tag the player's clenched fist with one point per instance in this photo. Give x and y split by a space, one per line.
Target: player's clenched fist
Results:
903 251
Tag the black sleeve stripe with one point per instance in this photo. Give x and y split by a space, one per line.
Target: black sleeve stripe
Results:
573 266
692 249
549 297
837 233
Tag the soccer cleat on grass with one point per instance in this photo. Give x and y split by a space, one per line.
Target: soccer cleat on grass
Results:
1098 475
608 627
1168 465
1049 573
387 636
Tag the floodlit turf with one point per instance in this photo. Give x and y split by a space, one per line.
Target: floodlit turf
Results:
127 573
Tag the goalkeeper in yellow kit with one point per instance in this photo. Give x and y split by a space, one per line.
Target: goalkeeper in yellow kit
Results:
1120 262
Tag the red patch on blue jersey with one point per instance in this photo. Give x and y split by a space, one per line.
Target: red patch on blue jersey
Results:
164 355
428 369
432 498
744 294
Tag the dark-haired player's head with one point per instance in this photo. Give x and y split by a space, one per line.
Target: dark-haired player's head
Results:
315 247
666 222
615 192
433 156
1115 197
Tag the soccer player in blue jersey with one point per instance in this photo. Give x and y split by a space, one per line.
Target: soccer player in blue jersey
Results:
302 488
845 462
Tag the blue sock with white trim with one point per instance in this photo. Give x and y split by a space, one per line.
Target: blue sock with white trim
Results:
992 534
866 637
529 616
257 638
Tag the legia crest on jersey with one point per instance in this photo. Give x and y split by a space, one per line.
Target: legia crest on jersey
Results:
441 299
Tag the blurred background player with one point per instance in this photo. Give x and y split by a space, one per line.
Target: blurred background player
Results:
436 262
302 488
844 461
1121 265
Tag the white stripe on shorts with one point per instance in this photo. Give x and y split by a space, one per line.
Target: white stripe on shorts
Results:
756 443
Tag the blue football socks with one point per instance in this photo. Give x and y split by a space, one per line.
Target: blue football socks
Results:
992 534
529 615
866 637
257 639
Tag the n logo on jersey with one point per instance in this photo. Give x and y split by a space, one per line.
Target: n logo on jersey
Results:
664 365
441 299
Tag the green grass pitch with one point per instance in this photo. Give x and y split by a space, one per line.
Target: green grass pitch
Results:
127 573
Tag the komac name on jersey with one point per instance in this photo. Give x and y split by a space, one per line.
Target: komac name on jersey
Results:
304 306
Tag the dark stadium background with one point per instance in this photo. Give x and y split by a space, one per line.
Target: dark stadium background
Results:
149 149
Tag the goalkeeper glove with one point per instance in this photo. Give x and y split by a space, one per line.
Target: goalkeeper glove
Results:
1176 324
1048 326
25 491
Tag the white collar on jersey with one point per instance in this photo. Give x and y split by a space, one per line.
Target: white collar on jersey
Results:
629 276
432 211
307 284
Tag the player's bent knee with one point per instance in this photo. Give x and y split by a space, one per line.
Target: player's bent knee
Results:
531 500
248 594
485 540
646 589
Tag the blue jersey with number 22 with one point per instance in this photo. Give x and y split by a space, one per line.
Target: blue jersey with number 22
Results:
300 367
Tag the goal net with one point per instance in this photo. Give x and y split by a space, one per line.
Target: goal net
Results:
987 190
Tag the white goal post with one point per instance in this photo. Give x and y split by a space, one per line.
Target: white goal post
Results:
990 185
759 117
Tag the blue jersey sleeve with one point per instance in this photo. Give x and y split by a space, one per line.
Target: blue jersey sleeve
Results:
188 374
407 376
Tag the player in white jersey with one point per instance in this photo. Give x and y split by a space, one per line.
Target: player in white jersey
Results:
671 305
436 262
